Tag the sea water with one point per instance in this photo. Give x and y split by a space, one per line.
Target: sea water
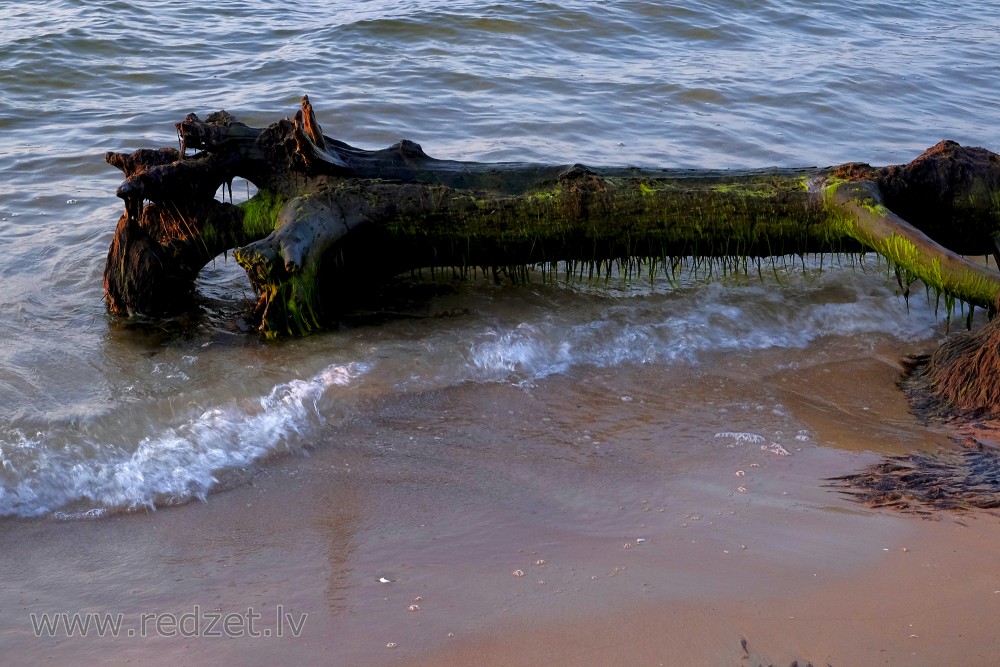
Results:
99 417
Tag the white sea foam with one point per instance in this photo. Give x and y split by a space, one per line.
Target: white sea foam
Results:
175 464
718 318
742 438
178 454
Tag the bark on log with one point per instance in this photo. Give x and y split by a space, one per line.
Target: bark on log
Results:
329 217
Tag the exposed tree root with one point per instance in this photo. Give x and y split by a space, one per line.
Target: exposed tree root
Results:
959 381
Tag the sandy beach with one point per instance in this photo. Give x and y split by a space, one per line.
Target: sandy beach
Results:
514 531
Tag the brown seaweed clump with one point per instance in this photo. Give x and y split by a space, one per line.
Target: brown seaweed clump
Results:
964 478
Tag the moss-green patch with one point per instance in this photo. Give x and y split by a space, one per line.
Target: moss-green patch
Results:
301 305
904 253
909 261
829 191
756 190
287 302
209 234
543 196
875 208
260 213
966 286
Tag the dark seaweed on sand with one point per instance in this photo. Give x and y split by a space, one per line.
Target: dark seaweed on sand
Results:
964 478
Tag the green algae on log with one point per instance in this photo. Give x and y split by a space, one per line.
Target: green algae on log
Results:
910 251
329 218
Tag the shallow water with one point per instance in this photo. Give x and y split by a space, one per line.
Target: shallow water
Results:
95 417
591 492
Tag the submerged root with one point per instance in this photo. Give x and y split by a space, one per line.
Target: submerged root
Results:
157 253
965 478
135 272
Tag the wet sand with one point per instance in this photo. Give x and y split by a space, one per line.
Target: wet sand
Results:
594 518
930 599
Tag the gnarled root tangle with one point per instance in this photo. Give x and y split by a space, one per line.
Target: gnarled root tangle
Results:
961 379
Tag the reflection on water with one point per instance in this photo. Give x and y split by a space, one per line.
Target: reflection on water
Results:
338 529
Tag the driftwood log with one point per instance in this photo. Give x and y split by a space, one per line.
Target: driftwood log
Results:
330 219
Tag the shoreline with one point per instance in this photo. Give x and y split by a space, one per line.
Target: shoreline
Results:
449 493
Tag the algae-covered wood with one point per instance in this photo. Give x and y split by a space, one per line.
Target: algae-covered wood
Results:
329 218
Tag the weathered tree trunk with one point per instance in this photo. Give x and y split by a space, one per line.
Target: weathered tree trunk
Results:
406 210
329 218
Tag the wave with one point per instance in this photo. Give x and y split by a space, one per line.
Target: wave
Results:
536 332
86 478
